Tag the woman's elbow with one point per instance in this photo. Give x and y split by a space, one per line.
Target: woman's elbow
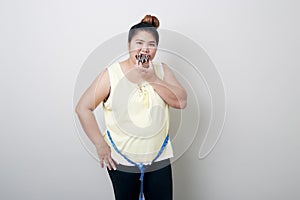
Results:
179 104
182 104
78 109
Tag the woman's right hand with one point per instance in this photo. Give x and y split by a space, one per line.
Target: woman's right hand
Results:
104 154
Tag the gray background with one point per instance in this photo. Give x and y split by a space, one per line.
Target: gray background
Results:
254 45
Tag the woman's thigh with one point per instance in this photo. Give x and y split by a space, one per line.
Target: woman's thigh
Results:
126 185
159 184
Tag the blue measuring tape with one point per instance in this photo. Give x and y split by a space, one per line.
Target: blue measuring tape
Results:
140 166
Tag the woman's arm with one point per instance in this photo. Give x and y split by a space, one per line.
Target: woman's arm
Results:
88 102
170 90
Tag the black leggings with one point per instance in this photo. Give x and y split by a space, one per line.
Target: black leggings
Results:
158 182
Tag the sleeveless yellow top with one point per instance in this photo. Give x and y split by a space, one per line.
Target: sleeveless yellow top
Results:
137 118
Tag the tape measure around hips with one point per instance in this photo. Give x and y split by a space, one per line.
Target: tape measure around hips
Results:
140 166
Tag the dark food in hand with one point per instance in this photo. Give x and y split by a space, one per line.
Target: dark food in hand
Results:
143 58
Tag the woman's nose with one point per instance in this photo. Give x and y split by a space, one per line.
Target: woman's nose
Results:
145 49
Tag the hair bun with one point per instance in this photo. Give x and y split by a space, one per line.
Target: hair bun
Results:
151 20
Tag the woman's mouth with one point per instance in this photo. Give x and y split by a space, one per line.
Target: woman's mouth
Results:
142 58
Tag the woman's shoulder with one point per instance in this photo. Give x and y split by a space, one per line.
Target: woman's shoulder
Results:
114 68
113 65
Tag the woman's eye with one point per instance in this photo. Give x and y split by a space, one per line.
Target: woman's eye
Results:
139 43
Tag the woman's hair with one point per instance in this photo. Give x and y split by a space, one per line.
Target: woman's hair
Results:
149 23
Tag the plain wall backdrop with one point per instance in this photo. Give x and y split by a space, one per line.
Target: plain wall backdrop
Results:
254 45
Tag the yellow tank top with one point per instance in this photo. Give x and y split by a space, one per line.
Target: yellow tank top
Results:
137 118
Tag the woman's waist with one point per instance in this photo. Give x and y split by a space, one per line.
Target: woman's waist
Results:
147 168
131 140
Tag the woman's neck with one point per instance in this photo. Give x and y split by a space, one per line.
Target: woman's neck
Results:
127 65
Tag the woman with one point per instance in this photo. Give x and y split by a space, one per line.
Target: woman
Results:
136 94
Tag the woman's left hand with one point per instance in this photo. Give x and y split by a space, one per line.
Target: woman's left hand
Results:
147 73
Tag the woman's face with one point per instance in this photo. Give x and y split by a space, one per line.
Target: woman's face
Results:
142 42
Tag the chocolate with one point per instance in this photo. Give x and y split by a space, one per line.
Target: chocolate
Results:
142 58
